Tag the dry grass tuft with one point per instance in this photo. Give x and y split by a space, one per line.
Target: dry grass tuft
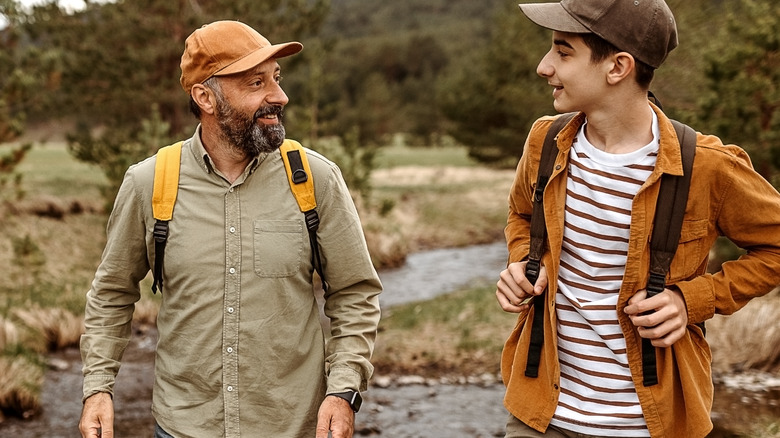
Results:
58 328
52 207
20 385
748 339
9 334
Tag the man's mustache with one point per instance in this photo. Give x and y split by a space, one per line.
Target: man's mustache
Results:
270 109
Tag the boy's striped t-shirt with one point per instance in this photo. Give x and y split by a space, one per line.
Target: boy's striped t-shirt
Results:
598 396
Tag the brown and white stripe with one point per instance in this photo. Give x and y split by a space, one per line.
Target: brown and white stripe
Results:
597 393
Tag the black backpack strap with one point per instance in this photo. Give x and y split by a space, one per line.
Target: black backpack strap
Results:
667 225
538 238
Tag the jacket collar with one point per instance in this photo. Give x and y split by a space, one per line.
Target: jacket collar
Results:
669 156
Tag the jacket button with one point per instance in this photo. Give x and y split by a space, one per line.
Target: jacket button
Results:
555 386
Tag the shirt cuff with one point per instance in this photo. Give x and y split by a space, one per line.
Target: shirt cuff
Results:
343 378
96 384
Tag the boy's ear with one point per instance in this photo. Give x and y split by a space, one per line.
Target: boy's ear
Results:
623 66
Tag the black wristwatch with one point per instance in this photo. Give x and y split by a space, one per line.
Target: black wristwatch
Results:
352 397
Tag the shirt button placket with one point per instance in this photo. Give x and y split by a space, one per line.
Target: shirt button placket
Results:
231 320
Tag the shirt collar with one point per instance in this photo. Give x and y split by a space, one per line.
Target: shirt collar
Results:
204 161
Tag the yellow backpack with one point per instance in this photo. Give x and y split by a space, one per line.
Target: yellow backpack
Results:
166 186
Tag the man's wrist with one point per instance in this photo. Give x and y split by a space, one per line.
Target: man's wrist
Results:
352 397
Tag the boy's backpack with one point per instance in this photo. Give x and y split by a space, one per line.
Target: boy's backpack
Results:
669 213
166 186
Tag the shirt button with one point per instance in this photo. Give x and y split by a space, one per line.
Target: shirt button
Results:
232 229
231 190
230 349
230 389
230 310
232 270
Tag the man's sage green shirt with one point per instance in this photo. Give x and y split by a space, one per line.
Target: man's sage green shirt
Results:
241 350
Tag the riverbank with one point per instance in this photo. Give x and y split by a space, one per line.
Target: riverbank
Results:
398 406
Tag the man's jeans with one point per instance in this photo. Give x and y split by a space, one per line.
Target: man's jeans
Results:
160 433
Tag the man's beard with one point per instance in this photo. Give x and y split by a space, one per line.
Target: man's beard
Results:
245 134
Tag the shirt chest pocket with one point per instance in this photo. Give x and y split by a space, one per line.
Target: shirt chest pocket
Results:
692 251
278 247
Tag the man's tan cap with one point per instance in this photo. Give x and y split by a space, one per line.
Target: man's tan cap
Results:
644 28
227 47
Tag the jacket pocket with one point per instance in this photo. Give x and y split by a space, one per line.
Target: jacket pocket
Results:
692 250
278 247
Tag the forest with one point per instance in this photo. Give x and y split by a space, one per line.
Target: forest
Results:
421 72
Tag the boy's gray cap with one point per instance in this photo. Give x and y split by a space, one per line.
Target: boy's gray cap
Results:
644 28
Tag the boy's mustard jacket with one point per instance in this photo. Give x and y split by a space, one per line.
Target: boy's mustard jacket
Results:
727 198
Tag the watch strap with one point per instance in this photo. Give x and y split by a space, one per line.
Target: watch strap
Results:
352 397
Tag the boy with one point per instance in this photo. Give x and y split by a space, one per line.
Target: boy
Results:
599 206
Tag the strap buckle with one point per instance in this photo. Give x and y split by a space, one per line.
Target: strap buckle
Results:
656 284
539 190
299 176
160 232
532 269
312 220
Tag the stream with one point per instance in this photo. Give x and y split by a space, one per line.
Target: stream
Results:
405 408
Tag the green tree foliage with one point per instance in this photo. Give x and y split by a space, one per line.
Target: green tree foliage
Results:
17 78
495 98
120 67
742 104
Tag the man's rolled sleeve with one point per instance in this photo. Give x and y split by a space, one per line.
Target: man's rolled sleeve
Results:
352 302
110 302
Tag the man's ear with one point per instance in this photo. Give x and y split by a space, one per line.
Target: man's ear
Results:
623 65
204 98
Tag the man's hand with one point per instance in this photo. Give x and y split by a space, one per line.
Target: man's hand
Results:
514 291
97 416
663 318
335 416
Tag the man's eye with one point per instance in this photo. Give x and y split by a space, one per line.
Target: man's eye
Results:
278 79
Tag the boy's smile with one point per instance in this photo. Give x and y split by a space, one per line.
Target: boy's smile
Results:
577 82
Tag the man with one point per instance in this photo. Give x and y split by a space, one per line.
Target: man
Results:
599 205
240 349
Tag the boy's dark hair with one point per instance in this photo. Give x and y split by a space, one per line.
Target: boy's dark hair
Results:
601 49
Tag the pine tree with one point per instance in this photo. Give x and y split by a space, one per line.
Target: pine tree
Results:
742 104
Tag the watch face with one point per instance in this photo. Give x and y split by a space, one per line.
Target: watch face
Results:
357 401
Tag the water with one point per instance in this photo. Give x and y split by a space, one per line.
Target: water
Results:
428 274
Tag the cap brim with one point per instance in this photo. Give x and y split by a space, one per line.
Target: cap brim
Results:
552 16
259 56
